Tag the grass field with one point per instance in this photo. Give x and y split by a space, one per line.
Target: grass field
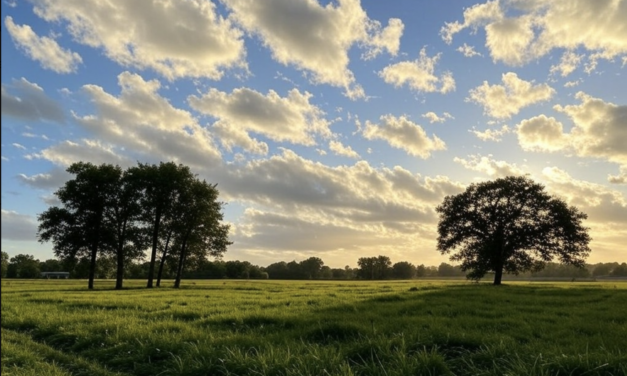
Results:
227 327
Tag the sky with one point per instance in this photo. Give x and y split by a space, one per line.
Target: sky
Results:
332 128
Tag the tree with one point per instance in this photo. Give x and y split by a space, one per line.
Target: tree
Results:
160 185
620 270
403 270
79 227
5 263
510 225
311 267
23 266
374 267
201 230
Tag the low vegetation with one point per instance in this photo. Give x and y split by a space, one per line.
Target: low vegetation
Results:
237 327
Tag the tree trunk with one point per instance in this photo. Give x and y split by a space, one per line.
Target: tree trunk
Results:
155 240
119 277
94 254
179 269
165 253
92 266
498 275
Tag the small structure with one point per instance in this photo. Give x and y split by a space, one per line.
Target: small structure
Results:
56 275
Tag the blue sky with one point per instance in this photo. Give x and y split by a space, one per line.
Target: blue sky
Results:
332 128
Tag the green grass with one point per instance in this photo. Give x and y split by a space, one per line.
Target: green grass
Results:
387 328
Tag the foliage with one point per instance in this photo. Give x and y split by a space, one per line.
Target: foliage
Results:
510 225
374 267
404 270
5 263
23 266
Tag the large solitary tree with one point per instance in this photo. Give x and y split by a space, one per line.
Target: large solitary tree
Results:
510 225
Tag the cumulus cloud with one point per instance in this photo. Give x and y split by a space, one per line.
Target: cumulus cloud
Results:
45 50
492 134
68 152
174 38
316 39
490 166
419 75
603 205
27 101
475 16
402 133
503 101
434 118
52 180
599 128
468 51
391 207
142 124
541 133
621 178
285 119
339 149
568 63
16 226
519 31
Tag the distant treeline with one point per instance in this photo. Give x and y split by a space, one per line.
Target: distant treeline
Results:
368 268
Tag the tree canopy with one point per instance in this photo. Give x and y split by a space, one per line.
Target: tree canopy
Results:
510 225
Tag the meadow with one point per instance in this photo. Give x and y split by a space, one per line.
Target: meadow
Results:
240 327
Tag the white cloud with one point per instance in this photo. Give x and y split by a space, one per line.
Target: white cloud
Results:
492 134
490 166
16 226
174 38
336 211
346 151
52 180
68 152
598 130
45 50
572 83
28 101
402 133
292 118
468 51
317 39
434 118
603 205
503 101
536 27
541 133
146 125
621 178
568 63
419 75
477 15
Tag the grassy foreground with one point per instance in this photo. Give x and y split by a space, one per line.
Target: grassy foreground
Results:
52 327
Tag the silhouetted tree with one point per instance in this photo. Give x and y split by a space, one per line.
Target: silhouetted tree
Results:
79 226
23 266
510 225
311 267
5 263
403 270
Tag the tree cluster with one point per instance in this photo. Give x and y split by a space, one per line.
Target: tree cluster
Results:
114 215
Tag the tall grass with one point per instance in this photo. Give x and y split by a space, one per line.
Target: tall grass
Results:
314 328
